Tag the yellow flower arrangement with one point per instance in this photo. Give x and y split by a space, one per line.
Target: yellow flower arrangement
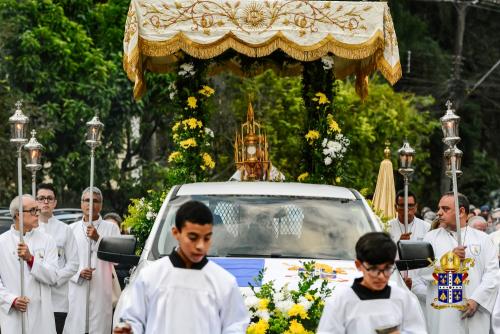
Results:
302 177
192 123
312 135
297 310
321 98
174 156
207 91
176 127
296 328
263 304
190 142
208 161
259 327
333 126
191 102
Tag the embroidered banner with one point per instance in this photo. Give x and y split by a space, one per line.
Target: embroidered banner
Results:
359 36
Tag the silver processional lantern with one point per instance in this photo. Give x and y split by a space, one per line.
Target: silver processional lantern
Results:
449 124
453 151
19 126
94 131
34 149
19 130
406 157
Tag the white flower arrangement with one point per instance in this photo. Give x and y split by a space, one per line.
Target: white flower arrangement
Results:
334 149
173 90
327 62
187 70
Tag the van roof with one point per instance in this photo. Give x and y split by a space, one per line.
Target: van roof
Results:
266 189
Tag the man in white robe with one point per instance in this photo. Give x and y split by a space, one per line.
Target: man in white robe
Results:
371 305
185 292
99 275
39 256
480 293
417 228
68 261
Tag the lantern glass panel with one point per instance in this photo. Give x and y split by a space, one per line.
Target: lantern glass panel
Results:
19 131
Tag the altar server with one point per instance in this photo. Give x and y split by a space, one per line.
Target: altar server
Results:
185 292
417 228
371 305
68 262
480 293
99 276
39 256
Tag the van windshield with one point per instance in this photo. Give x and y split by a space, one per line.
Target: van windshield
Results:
274 226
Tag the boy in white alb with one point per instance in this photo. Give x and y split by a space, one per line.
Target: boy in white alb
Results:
370 305
185 292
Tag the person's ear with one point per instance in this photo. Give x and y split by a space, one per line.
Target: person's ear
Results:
358 264
176 233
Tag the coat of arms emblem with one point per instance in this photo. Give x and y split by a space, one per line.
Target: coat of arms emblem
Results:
451 277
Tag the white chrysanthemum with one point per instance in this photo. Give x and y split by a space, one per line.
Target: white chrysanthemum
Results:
339 136
278 296
251 302
263 314
187 69
209 132
305 303
326 151
327 62
150 215
328 161
284 306
336 146
324 142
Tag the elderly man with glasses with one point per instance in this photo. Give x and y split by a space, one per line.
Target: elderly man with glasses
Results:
38 255
67 252
99 275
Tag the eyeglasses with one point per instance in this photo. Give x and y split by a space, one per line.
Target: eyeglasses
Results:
410 206
42 199
95 201
375 272
33 211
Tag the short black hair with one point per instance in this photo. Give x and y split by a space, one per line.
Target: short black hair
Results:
113 215
47 186
401 193
463 201
376 248
195 212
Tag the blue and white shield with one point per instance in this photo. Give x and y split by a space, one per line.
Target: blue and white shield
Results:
450 287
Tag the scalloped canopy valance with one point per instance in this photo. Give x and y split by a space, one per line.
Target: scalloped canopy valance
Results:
359 36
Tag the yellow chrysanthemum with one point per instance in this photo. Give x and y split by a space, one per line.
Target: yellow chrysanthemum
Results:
190 142
174 156
338 179
263 303
321 98
296 328
176 126
259 327
309 297
312 135
298 310
192 123
191 101
207 91
208 161
303 176
333 126
175 137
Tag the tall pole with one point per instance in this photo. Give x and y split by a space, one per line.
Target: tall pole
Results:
406 202
455 197
21 226
90 219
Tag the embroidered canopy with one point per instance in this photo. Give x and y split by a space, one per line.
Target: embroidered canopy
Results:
359 36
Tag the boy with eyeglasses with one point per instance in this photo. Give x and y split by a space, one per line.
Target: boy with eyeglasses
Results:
371 305
67 251
38 255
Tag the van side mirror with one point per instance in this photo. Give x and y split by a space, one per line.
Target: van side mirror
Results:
118 250
414 255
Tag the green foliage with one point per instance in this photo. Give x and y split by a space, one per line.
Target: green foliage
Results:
384 115
142 215
287 310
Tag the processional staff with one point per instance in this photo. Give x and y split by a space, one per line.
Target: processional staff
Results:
406 155
19 129
453 158
34 149
94 130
